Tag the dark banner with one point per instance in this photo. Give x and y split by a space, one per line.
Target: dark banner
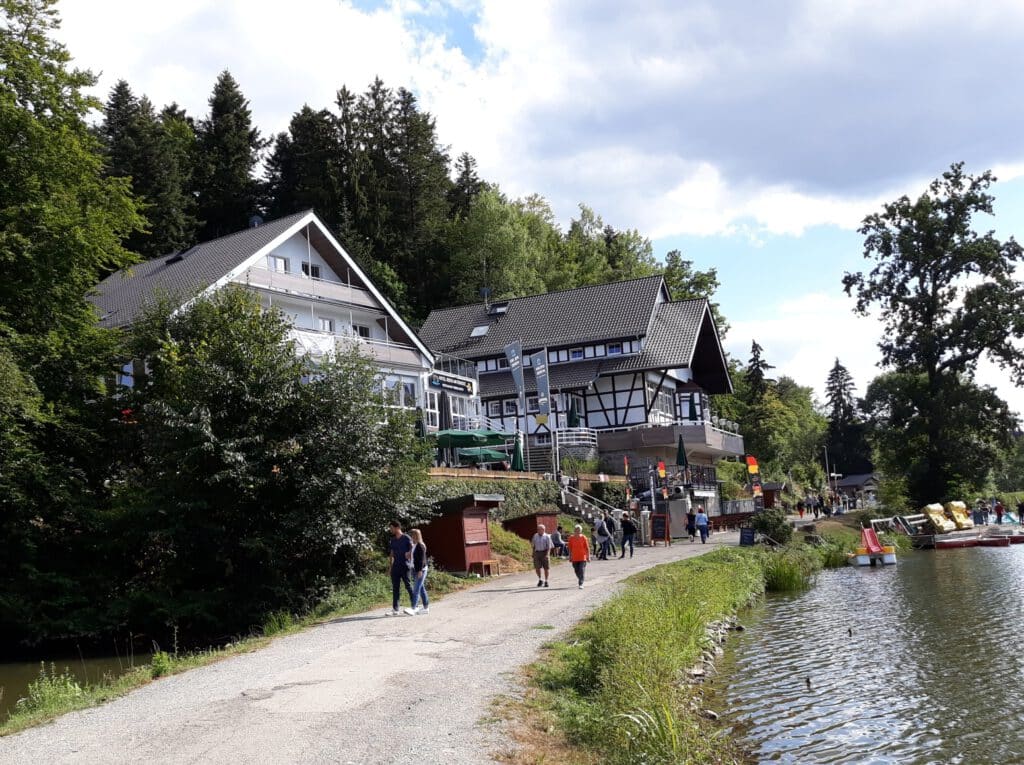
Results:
539 361
514 353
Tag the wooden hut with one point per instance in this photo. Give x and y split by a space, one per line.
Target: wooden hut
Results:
526 525
772 492
459 538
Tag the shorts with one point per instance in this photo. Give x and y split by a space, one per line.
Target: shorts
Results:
541 559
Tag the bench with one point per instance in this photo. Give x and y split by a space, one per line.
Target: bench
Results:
485 567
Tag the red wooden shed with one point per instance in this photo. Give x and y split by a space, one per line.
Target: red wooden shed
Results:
459 536
526 526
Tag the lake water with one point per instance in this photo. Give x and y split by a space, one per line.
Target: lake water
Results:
932 673
15 677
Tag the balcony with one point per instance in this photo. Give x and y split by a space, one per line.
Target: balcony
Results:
306 287
319 344
701 437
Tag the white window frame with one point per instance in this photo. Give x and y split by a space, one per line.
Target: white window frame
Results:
325 324
494 409
312 270
509 408
278 264
362 330
612 346
532 404
576 354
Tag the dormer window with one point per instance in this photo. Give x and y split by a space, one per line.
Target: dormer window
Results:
575 354
498 309
614 349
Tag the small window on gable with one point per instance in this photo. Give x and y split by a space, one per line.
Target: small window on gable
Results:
311 270
325 325
614 349
361 330
277 263
576 354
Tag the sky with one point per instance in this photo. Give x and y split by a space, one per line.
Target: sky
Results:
754 137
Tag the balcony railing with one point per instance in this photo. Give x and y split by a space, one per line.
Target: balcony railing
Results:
318 344
305 286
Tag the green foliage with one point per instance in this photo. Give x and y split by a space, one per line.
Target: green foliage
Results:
614 683
612 493
228 147
791 569
971 424
277 622
50 691
247 492
947 295
847 434
160 664
756 377
773 523
510 545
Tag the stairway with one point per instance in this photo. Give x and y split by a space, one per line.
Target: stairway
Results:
582 505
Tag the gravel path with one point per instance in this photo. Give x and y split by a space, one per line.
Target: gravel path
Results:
361 689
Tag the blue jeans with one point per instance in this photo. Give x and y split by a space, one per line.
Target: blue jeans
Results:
703 529
399 576
419 589
627 539
605 546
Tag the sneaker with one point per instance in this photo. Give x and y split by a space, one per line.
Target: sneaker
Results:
393 612
540 582
545 583
581 585
411 611
425 610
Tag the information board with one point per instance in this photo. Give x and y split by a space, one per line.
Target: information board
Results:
660 529
747 536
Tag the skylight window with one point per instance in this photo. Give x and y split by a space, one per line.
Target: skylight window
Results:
498 309
480 331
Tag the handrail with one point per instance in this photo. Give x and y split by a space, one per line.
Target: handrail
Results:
599 503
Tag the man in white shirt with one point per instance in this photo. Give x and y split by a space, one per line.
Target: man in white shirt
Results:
541 544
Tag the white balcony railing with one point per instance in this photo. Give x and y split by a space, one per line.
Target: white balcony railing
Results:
319 344
305 286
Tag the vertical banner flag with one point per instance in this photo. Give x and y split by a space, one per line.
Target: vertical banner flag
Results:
539 361
754 473
661 469
629 483
514 353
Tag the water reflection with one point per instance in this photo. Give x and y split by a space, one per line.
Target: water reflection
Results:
918 663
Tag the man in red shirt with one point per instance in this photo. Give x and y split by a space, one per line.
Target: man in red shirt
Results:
579 553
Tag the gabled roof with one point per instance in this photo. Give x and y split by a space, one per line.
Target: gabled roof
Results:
856 481
619 310
123 297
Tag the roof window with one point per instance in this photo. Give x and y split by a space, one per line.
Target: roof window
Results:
479 331
498 309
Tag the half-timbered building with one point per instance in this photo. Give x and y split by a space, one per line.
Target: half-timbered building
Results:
630 371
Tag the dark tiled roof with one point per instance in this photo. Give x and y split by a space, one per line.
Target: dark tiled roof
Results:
587 314
672 339
855 481
567 376
122 297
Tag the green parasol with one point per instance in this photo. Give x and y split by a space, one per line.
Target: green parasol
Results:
681 461
517 455
573 420
455 439
480 454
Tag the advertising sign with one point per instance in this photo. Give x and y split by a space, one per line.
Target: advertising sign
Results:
441 381
539 361
514 354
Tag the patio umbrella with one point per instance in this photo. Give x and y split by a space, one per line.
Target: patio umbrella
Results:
517 455
493 437
481 454
692 405
574 416
681 461
457 439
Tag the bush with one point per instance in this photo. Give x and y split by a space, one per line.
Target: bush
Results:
773 523
50 691
612 493
160 664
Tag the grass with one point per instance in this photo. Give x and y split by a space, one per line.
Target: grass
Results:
613 685
512 550
54 694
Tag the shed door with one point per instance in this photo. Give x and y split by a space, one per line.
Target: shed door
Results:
474 525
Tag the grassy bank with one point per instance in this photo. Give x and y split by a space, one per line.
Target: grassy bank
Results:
615 689
57 692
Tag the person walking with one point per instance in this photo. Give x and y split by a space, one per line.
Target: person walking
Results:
628 534
579 554
800 507
1020 512
400 558
999 513
601 529
541 544
419 575
691 524
609 524
702 525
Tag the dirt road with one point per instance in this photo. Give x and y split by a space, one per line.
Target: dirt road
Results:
362 689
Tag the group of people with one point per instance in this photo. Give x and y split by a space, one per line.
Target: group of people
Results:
984 511
814 504
697 522
407 559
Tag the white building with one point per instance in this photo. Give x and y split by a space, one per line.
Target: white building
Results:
294 264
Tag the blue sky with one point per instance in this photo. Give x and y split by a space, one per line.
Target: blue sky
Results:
752 136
